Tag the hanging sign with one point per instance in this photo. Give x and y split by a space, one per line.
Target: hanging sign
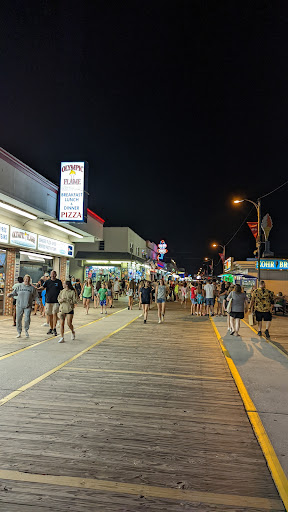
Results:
4 233
162 249
254 228
228 264
53 246
267 225
273 264
73 198
23 238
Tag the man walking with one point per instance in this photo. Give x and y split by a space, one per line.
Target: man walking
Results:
25 294
262 303
53 287
209 295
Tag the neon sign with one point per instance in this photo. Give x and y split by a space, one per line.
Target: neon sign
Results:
162 249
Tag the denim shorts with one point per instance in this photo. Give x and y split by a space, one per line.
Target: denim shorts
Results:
209 302
194 301
160 301
103 302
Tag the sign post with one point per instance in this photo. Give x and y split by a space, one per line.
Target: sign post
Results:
73 197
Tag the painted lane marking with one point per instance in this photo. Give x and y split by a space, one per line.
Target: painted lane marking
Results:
148 491
274 465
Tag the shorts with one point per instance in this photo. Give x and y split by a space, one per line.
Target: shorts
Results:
146 303
14 302
51 308
209 302
109 293
38 301
263 315
90 297
103 302
236 314
194 301
160 301
62 315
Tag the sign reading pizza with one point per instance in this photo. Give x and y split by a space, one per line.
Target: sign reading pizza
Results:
72 203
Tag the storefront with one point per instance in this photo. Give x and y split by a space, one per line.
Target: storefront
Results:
105 270
102 272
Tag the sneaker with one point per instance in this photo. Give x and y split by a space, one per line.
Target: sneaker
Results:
18 335
101 312
73 336
145 321
50 331
58 324
105 312
45 325
61 340
26 334
267 335
162 318
54 332
259 333
159 321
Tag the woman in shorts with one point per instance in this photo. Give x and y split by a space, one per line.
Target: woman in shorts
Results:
200 295
193 299
87 294
130 293
239 305
160 299
67 299
110 294
145 294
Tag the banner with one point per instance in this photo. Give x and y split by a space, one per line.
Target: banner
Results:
254 228
267 225
221 254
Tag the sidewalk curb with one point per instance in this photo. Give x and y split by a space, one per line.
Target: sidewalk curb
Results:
273 463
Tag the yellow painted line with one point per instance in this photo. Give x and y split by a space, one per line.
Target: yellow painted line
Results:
50 372
265 339
178 375
148 491
274 465
53 337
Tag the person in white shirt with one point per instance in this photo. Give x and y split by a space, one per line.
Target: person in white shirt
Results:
209 294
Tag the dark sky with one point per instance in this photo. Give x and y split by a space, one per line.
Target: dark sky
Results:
177 106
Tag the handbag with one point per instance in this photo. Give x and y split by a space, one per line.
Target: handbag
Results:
251 319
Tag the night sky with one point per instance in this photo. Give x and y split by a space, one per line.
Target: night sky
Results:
178 107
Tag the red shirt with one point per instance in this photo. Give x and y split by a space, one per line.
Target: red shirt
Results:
192 290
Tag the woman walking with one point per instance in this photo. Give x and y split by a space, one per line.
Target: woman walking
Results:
239 304
110 294
160 299
193 290
96 294
67 299
87 294
221 298
116 288
145 294
228 291
130 293
200 295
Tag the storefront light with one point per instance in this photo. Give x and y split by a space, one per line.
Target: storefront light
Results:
34 255
68 231
117 262
98 261
17 210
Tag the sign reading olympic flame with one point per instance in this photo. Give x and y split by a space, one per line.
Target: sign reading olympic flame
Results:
162 249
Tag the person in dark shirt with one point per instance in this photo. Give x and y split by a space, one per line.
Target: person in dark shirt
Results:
53 287
145 298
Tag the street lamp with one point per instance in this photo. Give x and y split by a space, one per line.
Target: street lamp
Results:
258 240
212 266
224 252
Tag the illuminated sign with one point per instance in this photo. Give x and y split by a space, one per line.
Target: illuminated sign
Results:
23 238
4 233
162 249
273 264
228 264
55 246
73 183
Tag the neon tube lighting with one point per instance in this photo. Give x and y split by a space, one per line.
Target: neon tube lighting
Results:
68 231
98 261
17 210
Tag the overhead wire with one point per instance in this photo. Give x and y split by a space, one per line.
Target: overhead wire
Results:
275 189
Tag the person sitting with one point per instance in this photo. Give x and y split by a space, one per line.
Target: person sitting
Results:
280 303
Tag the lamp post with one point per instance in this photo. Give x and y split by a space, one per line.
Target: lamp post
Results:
258 239
224 253
212 266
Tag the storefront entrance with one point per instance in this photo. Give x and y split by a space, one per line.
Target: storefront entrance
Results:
2 279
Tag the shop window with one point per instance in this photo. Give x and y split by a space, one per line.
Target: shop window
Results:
131 247
102 245
137 251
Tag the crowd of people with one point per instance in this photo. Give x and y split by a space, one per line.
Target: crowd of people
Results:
57 302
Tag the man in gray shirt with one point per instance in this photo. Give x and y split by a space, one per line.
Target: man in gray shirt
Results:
25 293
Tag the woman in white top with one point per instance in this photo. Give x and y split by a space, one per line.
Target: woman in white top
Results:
160 299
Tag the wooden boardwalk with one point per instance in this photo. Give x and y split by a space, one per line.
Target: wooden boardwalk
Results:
150 419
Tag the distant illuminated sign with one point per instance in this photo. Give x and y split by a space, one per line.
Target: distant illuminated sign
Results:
162 249
4 233
228 264
72 204
273 264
